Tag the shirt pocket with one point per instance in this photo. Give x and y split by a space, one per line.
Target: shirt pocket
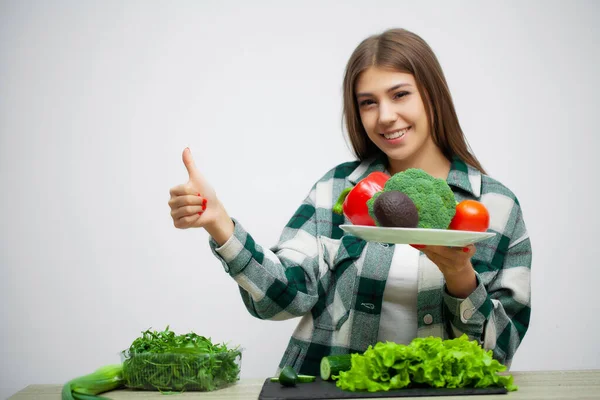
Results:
338 279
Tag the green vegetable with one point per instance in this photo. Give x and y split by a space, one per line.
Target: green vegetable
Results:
165 361
104 379
433 198
289 377
332 365
305 378
431 361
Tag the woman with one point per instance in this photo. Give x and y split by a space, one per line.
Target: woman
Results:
350 293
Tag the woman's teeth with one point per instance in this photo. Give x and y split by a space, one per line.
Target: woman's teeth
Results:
396 135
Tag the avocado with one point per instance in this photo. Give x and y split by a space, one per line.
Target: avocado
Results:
395 209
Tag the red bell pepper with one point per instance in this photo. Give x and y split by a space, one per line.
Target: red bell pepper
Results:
353 201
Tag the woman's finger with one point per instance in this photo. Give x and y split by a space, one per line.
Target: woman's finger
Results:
185 222
449 259
438 260
186 211
439 254
450 253
186 200
182 190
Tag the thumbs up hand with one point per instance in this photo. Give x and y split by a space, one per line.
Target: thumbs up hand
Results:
194 204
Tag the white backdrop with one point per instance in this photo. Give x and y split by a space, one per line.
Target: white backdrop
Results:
98 100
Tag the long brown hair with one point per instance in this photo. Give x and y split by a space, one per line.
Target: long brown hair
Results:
405 51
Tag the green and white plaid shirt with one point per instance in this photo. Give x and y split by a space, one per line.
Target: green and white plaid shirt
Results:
335 281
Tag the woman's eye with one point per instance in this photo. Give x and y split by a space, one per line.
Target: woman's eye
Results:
365 103
400 94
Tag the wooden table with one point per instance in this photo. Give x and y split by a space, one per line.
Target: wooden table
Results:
542 385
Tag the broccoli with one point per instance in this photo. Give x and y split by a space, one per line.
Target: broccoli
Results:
433 198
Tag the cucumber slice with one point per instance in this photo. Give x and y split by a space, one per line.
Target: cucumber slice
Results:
332 365
289 377
301 379
306 378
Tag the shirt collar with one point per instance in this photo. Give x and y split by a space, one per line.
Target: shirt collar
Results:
461 175
465 177
373 164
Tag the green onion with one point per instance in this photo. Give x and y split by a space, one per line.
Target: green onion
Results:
104 379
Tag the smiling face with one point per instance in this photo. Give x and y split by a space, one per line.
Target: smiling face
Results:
394 116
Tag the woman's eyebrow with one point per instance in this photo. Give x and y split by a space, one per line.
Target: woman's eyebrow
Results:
395 87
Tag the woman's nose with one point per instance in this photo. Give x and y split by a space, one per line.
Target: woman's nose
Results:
387 115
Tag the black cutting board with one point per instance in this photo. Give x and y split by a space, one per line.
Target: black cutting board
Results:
320 389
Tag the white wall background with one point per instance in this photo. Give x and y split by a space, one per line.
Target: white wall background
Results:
99 98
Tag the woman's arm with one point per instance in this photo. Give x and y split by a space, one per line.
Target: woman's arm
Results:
497 312
280 282
277 283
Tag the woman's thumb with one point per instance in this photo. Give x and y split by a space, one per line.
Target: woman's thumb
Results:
190 165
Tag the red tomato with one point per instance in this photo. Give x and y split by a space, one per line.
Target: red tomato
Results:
471 215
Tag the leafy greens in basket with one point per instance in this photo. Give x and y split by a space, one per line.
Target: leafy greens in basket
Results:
165 361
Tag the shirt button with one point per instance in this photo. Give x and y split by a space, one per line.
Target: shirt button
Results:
428 319
468 313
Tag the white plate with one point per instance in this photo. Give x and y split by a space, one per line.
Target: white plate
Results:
440 237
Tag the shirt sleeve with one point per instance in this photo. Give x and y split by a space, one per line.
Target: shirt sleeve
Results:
280 282
497 312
